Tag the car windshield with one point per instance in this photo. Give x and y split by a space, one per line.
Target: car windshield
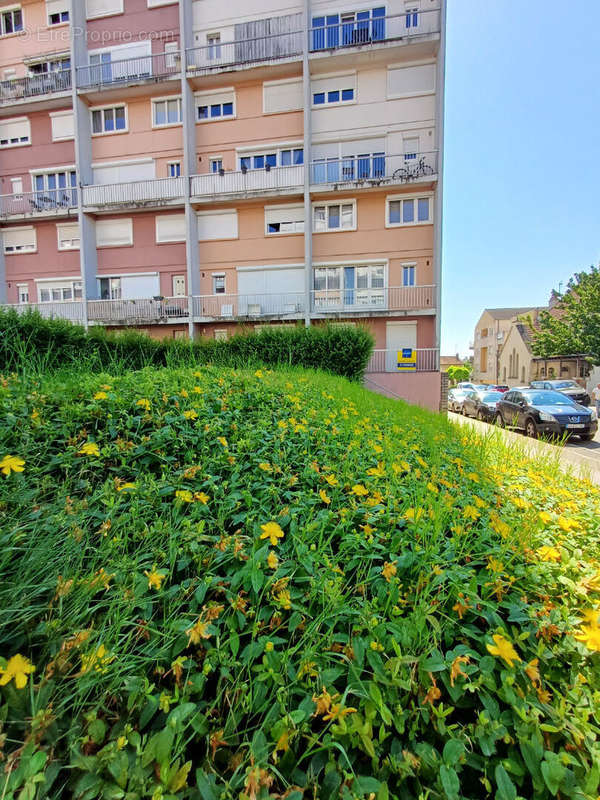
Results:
492 397
547 399
566 385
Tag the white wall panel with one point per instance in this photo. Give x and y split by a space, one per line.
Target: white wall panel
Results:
135 287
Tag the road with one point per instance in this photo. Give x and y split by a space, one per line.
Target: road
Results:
582 458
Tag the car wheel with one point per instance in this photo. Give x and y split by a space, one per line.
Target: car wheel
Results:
480 416
499 421
531 429
587 437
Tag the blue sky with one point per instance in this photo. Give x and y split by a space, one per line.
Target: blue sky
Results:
522 171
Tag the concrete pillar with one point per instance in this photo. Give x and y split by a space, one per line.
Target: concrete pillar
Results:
439 194
308 238
3 292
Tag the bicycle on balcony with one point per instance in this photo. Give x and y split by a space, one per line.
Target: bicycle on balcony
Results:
410 173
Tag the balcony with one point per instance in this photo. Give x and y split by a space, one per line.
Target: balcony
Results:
250 183
232 307
134 194
337 32
138 312
427 360
43 203
70 310
368 301
364 172
243 53
157 67
34 87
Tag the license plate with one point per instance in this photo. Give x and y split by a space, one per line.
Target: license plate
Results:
578 425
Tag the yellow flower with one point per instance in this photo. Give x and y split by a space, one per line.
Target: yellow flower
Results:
331 480
590 636
100 396
269 647
413 514
272 560
11 464
265 466
201 497
155 579
532 671
90 449
323 702
198 390
121 742
547 553
144 403
17 669
389 570
324 497
272 532
470 512
191 414
568 524
223 441
338 712
432 488
359 490
545 517
259 373
503 649
284 598
125 486
198 631
184 495
96 660
473 476
378 471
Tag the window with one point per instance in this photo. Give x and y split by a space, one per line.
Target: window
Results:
411 81
274 157
68 236
110 288
409 211
22 293
411 148
174 169
51 66
57 11
335 90
55 189
215 106
114 232
412 15
109 120
334 217
213 42
349 28
349 168
166 111
60 292
408 275
170 228
15 132
217 225
218 284
19 240
216 165
11 21
16 185
103 8
284 219
172 55
349 286
63 125
334 97
285 95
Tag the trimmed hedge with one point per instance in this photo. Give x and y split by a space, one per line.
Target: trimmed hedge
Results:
31 340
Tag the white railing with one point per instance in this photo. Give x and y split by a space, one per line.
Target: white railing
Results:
248 306
371 30
34 86
47 201
215 184
392 298
427 360
147 310
159 65
221 55
374 170
71 310
134 192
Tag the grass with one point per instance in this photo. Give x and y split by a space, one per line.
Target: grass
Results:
254 584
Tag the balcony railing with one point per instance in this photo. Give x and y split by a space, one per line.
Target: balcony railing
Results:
366 28
70 310
34 86
46 202
248 306
151 67
393 298
243 52
374 170
427 360
132 312
134 193
250 181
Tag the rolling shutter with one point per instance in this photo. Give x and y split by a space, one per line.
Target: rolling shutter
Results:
411 80
222 225
63 125
283 96
114 232
170 228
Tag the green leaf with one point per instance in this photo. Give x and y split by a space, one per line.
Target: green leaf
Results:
506 788
450 782
164 743
453 750
553 772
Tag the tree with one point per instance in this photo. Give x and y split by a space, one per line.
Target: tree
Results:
573 324
457 374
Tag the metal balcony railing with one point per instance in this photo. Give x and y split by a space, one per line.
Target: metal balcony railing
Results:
427 360
249 181
131 312
392 298
248 306
48 201
224 55
374 170
34 86
337 31
134 193
69 309
159 66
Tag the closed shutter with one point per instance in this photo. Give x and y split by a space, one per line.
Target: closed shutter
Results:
63 125
19 240
15 131
215 99
411 80
283 96
56 6
170 228
339 82
124 173
68 236
114 232
223 225
102 8
271 281
138 287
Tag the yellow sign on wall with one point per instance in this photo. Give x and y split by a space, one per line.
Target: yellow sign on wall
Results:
407 360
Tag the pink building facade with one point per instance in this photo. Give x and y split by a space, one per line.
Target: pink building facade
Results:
187 167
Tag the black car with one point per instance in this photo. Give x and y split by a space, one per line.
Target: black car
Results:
540 412
569 388
481 404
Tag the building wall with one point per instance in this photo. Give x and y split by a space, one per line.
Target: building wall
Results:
515 371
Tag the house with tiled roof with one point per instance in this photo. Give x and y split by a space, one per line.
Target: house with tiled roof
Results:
489 338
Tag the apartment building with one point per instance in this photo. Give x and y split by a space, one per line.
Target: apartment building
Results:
187 167
490 339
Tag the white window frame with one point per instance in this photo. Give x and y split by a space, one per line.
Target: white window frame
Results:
215 160
54 25
215 276
20 288
173 164
265 150
72 241
166 100
17 144
409 265
213 46
333 103
328 204
200 97
416 197
106 108
299 227
16 182
26 250
60 284
7 10
106 13
172 51
159 3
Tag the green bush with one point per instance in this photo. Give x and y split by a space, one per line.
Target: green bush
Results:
31 341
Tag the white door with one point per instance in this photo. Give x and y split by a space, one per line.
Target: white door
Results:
398 335
178 285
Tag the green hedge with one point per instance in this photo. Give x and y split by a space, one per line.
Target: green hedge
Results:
29 340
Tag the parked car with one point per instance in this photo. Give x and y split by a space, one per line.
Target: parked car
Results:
499 388
481 405
569 388
541 412
466 386
455 399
